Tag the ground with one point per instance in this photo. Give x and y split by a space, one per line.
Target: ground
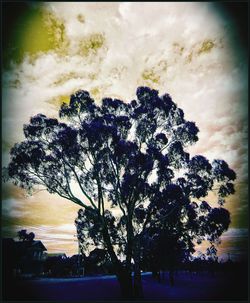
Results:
187 287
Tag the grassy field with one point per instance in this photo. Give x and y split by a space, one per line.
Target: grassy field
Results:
188 286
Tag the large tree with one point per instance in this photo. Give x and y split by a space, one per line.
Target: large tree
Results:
126 165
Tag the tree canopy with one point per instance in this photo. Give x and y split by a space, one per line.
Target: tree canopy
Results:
127 166
24 236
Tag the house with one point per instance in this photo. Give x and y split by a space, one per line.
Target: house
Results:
31 257
56 255
23 257
57 264
32 250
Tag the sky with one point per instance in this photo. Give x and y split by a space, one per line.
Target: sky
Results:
195 51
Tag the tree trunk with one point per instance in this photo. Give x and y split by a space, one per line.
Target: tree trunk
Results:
163 275
159 276
138 290
125 281
171 277
123 275
154 274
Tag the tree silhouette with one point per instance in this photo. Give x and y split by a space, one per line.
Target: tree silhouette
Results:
127 167
24 236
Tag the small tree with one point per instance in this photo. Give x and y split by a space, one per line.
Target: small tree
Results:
24 236
126 166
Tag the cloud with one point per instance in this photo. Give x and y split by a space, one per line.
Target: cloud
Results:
14 208
233 242
59 238
235 233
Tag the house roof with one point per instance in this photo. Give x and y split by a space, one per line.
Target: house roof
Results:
56 255
30 244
